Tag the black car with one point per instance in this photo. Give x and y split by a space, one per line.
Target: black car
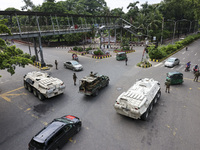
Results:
56 134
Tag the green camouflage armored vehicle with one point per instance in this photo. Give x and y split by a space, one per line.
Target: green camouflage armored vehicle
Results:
90 85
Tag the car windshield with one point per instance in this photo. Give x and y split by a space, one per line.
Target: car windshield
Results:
170 60
75 63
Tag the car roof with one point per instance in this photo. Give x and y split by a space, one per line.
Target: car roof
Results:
175 72
45 133
172 58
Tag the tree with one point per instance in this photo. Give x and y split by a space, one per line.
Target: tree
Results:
10 56
28 3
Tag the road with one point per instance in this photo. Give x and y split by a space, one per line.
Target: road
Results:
173 123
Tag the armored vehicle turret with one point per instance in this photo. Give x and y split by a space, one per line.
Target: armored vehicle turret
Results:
139 100
42 85
90 85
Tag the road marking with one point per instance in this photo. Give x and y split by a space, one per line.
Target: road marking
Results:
183 58
183 53
195 54
5 95
157 65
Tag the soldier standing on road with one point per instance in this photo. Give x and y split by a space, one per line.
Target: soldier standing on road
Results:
74 78
196 76
167 84
56 63
126 59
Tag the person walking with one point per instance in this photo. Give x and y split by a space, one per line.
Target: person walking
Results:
126 59
186 48
167 84
74 78
196 76
56 63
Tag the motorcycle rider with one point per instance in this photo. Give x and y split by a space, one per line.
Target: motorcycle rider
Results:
196 68
188 66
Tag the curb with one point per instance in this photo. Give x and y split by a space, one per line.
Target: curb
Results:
101 57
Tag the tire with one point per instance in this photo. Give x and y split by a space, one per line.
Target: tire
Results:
96 93
29 88
35 92
25 85
78 129
40 96
155 100
145 115
158 94
151 106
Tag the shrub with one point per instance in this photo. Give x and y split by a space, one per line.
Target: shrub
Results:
98 52
89 48
80 49
33 58
75 48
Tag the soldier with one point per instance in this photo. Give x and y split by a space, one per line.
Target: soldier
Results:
56 63
74 78
196 76
126 59
167 84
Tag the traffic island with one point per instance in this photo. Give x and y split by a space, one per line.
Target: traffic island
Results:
144 64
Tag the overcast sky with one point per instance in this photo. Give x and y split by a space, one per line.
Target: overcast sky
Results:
111 3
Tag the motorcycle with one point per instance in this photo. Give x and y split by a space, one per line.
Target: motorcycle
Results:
75 57
195 70
187 68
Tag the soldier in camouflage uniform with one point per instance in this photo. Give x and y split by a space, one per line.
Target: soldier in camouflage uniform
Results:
196 76
167 84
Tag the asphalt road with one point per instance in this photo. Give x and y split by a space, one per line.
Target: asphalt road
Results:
173 123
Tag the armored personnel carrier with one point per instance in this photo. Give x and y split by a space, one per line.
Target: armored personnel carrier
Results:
90 85
42 85
139 100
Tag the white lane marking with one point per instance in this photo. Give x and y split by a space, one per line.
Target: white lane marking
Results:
158 65
183 58
195 54
183 53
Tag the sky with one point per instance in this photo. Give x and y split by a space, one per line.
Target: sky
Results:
110 3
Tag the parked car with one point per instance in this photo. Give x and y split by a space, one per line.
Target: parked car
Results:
74 65
56 134
171 62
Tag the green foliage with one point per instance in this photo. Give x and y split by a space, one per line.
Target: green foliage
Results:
75 48
80 49
89 48
33 58
98 52
164 51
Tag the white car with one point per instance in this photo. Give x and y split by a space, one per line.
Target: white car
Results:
171 62
74 65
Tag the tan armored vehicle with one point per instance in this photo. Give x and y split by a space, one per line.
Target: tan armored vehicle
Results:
90 85
42 85
139 100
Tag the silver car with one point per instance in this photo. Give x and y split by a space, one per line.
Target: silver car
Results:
74 65
171 62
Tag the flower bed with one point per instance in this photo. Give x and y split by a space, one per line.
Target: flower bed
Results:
144 64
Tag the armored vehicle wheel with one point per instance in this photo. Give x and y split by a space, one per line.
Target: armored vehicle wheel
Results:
151 106
25 85
35 92
145 115
96 93
40 96
158 94
29 88
155 100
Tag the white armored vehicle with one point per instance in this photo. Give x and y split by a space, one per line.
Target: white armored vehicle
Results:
42 85
139 100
